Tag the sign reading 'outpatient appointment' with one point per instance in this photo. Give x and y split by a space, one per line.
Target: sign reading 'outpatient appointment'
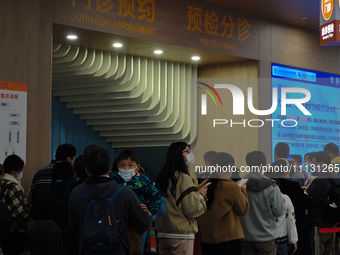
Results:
184 23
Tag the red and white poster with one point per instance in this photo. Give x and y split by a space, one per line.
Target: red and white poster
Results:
13 118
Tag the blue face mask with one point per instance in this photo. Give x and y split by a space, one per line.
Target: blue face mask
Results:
127 174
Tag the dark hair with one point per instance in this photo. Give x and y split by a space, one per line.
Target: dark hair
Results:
221 159
322 156
128 153
256 158
79 167
209 156
298 158
64 151
174 162
332 148
96 159
282 150
45 239
62 170
279 162
125 154
13 163
310 155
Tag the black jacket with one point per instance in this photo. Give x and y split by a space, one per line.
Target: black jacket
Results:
318 191
301 203
127 206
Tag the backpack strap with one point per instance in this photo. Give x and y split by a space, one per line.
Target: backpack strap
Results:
110 198
81 194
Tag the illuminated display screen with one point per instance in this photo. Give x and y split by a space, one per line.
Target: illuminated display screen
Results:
312 132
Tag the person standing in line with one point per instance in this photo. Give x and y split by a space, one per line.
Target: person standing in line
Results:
318 190
265 205
281 151
12 194
184 202
127 171
43 178
221 230
99 187
333 150
301 202
45 238
286 237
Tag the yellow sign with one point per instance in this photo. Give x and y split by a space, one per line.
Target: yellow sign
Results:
144 9
208 23
211 24
327 8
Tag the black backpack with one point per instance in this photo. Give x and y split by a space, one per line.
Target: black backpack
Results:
5 218
100 228
331 206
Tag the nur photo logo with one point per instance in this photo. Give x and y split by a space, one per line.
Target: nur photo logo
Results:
204 97
290 97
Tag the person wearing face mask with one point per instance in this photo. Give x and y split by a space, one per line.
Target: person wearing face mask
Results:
127 170
184 202
12 194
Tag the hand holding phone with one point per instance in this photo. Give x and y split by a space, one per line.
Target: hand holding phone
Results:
242 182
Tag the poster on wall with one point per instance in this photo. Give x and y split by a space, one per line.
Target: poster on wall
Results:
13 112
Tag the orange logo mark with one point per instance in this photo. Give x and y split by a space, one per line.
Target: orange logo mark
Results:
327 8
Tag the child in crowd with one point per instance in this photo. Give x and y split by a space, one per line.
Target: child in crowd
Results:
127 170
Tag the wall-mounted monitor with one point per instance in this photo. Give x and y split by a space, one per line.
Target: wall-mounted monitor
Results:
302 132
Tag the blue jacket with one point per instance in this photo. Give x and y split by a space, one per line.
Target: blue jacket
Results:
146 192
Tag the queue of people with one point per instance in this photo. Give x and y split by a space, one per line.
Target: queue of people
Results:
80 206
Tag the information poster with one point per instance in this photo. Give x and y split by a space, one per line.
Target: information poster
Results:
13 114
311 132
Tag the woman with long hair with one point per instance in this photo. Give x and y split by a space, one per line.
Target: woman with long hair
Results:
184 202
221 230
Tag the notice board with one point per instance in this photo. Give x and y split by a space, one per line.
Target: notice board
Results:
13 118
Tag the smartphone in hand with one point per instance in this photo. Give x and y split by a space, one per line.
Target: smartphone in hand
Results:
242 181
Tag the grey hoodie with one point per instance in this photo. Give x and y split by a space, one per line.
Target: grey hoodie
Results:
265 204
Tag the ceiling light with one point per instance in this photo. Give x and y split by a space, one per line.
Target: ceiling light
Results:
158 52
72 37
117 45
303 18
195 58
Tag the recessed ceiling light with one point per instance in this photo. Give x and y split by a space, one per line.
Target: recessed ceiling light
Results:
303 17
195 58
158 52
72 37
117 45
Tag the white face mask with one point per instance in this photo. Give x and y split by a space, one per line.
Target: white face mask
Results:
19 177
127 174
190 159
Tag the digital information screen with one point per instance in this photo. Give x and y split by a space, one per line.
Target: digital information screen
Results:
314 131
